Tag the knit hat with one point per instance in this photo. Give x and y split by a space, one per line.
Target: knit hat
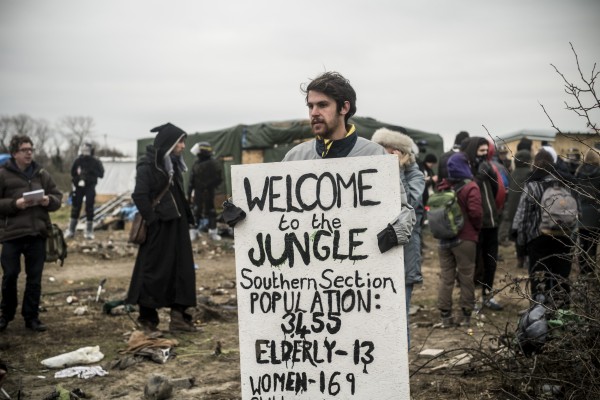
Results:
524 144
522 158
203 148
396 141
458 167
460 136
430 158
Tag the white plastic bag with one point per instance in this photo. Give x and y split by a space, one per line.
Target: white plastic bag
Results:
84 355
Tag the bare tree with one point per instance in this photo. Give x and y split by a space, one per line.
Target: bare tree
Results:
586 102
76 130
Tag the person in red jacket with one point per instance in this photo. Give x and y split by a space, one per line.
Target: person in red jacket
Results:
457 255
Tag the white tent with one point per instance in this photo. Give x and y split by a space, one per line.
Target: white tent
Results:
119 176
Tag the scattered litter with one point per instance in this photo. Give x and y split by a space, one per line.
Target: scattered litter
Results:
72 299
81 372
81 310
84 355
431 353
52 279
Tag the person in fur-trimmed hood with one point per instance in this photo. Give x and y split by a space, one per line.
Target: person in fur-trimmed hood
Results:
414 182
163 275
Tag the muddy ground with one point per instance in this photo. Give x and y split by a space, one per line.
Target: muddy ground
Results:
211 357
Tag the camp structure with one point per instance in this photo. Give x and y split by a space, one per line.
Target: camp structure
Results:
564 143
270 141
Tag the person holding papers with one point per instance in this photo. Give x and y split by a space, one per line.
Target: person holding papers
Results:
27 195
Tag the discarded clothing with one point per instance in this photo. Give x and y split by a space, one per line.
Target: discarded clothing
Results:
81 372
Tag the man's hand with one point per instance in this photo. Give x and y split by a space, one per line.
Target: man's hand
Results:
22 204
45 201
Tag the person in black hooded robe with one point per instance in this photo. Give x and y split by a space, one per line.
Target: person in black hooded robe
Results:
163 275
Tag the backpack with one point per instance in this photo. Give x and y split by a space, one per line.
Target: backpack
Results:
56 247
559 210
445 216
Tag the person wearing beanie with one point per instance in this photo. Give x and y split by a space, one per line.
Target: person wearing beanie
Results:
413 181
205 177
457 255
85 172
460 138
164 275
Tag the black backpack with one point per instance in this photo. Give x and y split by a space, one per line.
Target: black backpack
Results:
56 247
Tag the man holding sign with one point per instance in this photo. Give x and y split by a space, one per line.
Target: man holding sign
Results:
321 308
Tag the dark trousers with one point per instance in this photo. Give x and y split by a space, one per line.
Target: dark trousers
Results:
89 192
549 268
33 248
588 241
205 206
487 256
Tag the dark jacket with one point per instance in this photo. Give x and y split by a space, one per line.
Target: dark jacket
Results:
151 179
32 221
206 174
588 180
87 168
528 217
488 178
517 181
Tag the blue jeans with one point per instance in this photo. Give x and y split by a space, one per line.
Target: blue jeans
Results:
33 248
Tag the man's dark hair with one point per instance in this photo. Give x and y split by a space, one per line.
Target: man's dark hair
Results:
543 160
335 86
16 142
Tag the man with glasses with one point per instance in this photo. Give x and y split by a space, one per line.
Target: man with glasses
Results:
23 230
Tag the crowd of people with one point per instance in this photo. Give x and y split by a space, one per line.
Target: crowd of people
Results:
500 198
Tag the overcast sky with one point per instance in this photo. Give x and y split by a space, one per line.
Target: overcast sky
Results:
438 66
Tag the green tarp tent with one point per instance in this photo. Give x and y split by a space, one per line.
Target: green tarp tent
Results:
276 138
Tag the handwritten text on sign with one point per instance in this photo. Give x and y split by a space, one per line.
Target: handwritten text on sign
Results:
321 310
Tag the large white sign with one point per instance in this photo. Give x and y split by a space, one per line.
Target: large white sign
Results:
321 311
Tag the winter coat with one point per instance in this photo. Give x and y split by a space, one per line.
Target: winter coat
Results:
414 182
489 179
528 217
87 168
403 224
469 200
517 181
206 174
32 221
588 180
164 273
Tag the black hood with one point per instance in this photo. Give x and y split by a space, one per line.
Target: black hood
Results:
166 138
588 171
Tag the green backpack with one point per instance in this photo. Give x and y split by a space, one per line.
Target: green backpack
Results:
445 216
56 247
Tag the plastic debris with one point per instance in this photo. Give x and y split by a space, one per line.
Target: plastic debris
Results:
84 355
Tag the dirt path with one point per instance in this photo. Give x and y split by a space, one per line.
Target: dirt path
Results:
216 376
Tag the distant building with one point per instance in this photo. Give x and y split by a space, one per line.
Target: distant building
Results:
562 142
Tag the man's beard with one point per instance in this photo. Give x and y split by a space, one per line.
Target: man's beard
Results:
329 129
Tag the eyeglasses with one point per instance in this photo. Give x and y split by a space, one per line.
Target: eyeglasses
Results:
27 150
